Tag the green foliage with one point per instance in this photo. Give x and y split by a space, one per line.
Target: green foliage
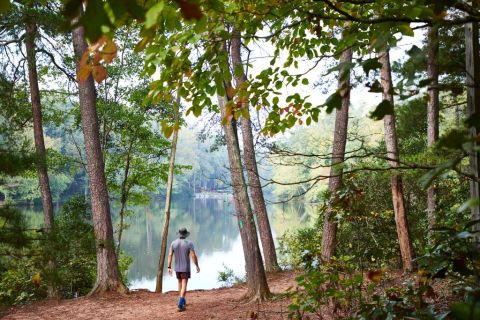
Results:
383 109
300 249
19 259
11 232
337 284
401 303
16 285
24 269
228 278
75 251
73 245
454 255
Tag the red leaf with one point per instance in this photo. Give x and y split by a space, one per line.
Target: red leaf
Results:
189 10
99 73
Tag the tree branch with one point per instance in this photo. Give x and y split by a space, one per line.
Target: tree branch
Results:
52 58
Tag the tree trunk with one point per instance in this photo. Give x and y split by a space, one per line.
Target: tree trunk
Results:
473 107
249 158
329 236
124 198
433 108
108 275
401 222
43 181
171 166
256 277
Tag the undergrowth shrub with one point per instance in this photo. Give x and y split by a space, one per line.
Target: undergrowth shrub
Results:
342 289
24 272
228 277
299 249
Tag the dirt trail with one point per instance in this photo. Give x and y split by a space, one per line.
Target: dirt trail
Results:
201 304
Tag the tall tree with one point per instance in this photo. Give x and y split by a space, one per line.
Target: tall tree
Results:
42 172
391 142
168 198
433 108
256 277
108 275
472 48
329 236
250 160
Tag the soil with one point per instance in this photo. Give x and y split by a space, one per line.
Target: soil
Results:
223 303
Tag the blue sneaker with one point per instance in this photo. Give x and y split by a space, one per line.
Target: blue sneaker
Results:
181 304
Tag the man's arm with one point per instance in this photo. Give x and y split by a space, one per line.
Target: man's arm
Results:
169 261
195 259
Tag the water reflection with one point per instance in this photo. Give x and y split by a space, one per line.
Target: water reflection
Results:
214 231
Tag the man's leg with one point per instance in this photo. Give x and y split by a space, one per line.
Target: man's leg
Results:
181 300
179 286
183 291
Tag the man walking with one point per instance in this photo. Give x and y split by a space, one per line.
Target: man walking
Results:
183 250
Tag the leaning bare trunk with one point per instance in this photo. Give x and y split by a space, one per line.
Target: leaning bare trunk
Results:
329 236
43 181
171 166
123 200
398 199
433 108
249 158
108 275
256 277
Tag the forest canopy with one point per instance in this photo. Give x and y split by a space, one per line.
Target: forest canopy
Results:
368 109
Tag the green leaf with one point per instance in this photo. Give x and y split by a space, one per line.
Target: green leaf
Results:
473 121
95 19
4 5
333 102
470 203
376 86
305 81
424 82
371 64
167 131
152 14
406 30
238 71
453 139
416 54
428 178
278 85
465 311
383 109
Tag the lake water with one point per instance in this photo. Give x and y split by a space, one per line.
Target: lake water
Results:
213 230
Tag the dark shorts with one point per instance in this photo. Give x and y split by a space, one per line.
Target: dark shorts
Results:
183 275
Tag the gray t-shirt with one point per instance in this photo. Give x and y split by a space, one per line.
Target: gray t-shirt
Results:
181 250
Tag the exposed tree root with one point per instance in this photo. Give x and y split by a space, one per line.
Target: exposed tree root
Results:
113 286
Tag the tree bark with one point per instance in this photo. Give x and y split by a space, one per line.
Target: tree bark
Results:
171 166
473 106
401 222
108 275
249 158
42 172
329 236
256 277
433 108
